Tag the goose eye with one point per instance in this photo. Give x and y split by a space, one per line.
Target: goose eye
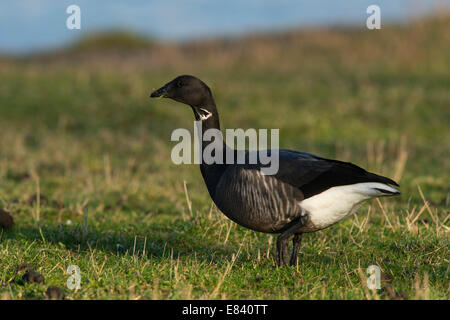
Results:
179 84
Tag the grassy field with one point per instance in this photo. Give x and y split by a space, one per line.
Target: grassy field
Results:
85 167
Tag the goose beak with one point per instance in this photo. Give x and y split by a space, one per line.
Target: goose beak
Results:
160 93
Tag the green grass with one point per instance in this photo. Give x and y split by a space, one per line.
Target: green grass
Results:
80 134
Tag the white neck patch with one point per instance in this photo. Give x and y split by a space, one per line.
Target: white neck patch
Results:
203 114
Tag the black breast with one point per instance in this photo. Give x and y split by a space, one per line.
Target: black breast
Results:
255 201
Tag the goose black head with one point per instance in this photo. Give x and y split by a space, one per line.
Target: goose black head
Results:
186 89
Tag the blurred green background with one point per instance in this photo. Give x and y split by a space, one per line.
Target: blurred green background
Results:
78 132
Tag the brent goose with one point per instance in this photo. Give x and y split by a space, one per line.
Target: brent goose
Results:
308 193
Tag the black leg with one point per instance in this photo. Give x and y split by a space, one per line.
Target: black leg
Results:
282 250
282 241
295 246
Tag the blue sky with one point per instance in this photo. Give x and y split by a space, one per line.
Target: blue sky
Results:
28 25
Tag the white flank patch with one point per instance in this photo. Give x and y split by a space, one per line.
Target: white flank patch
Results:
337 203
